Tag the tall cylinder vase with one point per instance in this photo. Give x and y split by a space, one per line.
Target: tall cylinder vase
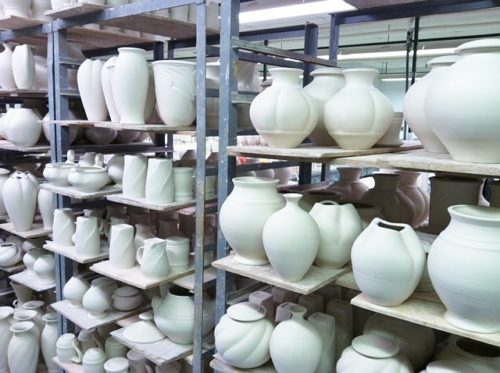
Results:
5 336
23 348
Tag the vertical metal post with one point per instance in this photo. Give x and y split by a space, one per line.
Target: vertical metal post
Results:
170 136
230 10
199 244
415 49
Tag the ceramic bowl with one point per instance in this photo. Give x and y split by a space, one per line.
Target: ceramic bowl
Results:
126 298
57 173
88 179
9 254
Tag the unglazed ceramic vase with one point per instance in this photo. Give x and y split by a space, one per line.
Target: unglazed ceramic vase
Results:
130 84
408 185
87 237
292 254
326 83
121 246
23 348
30 257
6 75
460 105
284 114
23 127
4 176
177 249
395 206
175 86
416 342
392 136
465 287
115 168
414 108
46 208
64 227
5 336
134 176
325 325
75 289
18 8
243 334
339 226
349 185
23 66
252 200
295 344
107 89
183 184
44 267
48 342
90 87
19 196
359 114
387 262
160 181
38 8
373 354
97 301
152 258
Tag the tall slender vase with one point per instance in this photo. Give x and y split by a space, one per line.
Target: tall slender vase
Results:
46 207
19 196
5 336
48 341
23 66
91 93
6 75
23 348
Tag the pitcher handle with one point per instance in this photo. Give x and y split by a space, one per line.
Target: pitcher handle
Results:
78 358
139 254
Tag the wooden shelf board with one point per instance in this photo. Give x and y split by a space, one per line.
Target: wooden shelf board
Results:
134 276
422 161
74 10
82 318
72 192
35 231
17 23
136 147
23 93
424 313
68 367
141 202
31 280
71 123
128 321
90 38
7 145
315 279
159 128
313 153
219 365
187 282
69 252
14 269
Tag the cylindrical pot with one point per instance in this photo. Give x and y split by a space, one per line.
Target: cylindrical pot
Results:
115 168
130 83
414 108
6 75
23 127
244 213
90 87
134 176
387 262
63 227
183 184
349 185
461 104
326 83
49 338
87 237
177 249
122 246
461 264
175 87
392 137
359 114
46 207
23 348
284 114
19 196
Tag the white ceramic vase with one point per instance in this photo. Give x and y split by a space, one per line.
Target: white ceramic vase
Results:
134 176
414 108
75 289
63 227
472 236
23 127
152 258
46 208
349 184
160 181
17 8
97 301
48 341
243 334
19 195
339 226
291 254
326 83
244 213
23 348
359 114
460 105
177 249
5 336
130 81
6 75
325 325
87 237
4 176
93 360
387 262
121 246
44 267
107 72
90 87
175 87
183 184
23 66
420 198
284 114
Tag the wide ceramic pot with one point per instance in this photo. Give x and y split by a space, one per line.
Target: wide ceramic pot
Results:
461 104
23 348
19 195
349 184
107 72
414 108
359 114
175 86
244 213
326 83
57 173
75 289
461 264
6 75
243 335
48 341
90 87
18 8
373 354
23 127
284 114
339 226
126 298
5 336
10 254
88 179
387 262
130 82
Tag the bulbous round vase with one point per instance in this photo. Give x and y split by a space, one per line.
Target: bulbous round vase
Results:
349 184
90 87
6 75
326 83
96 300
23 128
44 267
414 108
19 196
244 213
75 289
284 114
359 114
420 198
461 105
23 66
387 262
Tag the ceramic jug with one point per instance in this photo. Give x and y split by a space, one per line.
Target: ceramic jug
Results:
90 87
134 176
67 349
159 188
23 64
23 350
49 338
6 76
177 249
64 227
152 258
5 336
183 184
121 246
87 237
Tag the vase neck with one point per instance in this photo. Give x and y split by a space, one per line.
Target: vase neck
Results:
292 199
360 77
286 77
386 182
349 174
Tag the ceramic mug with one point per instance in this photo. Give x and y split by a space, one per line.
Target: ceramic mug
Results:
87 237
178 253
121 246
68 350
152 258
63 227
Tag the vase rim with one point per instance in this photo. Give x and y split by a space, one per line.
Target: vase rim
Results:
447 60
252 180
479 46
50 317
174 62
131 49
476 213
375 346
246 312
22 326
384 224
327 71
285 69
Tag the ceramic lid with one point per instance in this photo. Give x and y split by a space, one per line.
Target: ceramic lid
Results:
33 304
481 45
143 332
116 364
375 346
126 291
94 355
246 312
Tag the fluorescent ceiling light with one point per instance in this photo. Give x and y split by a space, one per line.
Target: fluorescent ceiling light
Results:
299 10
392 54
396 79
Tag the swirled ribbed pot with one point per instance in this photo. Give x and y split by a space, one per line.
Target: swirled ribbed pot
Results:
6 75
284 114
19 196
160 181
134 176
23 348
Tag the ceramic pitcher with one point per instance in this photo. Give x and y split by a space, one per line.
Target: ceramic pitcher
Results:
121 246
160 181
87 238
64 227
153 259
134 176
